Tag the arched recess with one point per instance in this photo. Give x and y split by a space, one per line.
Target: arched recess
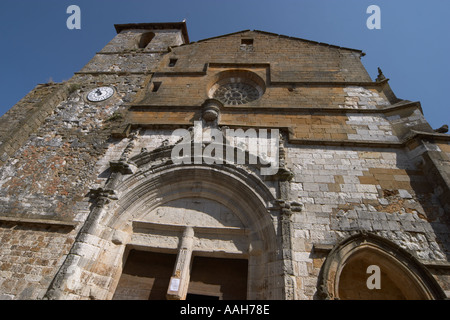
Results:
145 39
244 194
345 274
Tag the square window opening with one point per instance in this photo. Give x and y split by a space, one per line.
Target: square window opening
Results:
172 62
247 42
156 86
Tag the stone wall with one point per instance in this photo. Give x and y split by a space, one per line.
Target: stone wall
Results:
58 160
349 190
30 255
27 115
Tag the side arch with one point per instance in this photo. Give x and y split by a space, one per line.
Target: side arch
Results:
344 272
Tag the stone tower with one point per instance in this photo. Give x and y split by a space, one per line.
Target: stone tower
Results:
148 175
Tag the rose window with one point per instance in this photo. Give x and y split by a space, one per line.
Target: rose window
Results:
237 87
236 93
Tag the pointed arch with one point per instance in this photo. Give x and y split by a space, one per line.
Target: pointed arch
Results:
344 272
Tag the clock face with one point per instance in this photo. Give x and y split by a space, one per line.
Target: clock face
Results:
100 94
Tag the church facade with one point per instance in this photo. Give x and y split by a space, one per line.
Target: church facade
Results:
250 165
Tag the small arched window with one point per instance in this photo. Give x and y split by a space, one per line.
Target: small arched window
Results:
145 39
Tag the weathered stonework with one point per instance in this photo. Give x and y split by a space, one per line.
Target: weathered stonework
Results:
84 185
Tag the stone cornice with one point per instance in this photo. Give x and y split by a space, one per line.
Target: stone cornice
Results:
414 136
147 225
264 109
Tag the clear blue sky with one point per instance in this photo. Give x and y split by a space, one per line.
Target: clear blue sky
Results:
412 47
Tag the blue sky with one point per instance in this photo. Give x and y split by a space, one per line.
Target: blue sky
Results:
412 46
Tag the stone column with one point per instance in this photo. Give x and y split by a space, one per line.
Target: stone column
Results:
179 281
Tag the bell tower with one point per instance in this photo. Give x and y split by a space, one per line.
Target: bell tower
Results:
137 47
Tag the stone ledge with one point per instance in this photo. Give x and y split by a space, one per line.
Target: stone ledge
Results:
144 225
44 222
131 52
118 73
415 136
435 264
320 247
293 109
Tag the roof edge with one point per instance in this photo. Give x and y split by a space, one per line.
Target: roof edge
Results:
285 37
310 41
224 35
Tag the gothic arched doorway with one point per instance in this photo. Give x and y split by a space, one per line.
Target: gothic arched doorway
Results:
368 267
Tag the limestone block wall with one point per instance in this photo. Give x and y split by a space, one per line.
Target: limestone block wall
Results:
361 98
30 255
348 190
296 60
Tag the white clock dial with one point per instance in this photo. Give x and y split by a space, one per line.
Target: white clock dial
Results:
100 94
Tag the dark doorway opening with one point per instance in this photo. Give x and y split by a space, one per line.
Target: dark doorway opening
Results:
146 276
225 279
